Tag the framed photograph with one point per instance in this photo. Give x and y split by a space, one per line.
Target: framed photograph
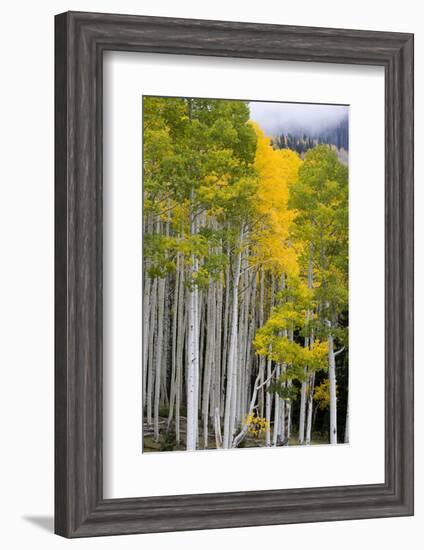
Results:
234 274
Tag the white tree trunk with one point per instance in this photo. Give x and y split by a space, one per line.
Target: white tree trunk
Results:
146 317
216 404
174 354
217 424
308 437
268 404
150 359
249 356
159 351
256 386
277 419
346 435
239 350
333 396
197 311
225 342
308 343
302 412
281 436
268 395
179 378
262 359
288 410
230 398
209 360
192 385
192 378
146 326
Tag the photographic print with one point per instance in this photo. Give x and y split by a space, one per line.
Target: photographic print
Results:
245 274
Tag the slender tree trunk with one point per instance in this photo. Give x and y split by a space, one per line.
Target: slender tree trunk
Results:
288 404
174 352
217 423
256 386
268 395
209 358
230 398
288 409
150 368
214 399
279 407
302 411
281 423
303 389
164 396
159 351
276 413
346 434
182 315
192 387
224 361
303 399
146 317
250 362
243 363
333 396
308 437
262 359
268 404
218 351
202 345
239 352
146 326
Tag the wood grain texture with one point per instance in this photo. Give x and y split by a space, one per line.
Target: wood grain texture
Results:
81 39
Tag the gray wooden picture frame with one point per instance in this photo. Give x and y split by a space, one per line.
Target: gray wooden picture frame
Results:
80 40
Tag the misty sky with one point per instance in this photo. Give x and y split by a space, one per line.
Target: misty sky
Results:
276 118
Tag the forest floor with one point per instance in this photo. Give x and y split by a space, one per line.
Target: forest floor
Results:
167 440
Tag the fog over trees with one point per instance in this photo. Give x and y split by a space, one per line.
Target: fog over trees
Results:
245 280
301 126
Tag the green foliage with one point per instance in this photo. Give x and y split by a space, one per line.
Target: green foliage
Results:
288 393
157 249
293 313
198 157
319 199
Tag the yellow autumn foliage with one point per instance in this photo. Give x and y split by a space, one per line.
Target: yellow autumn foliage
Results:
276 170
256 425
322 394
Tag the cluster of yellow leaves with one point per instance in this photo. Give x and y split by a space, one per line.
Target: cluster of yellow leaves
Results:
276 170
256 426
322 394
